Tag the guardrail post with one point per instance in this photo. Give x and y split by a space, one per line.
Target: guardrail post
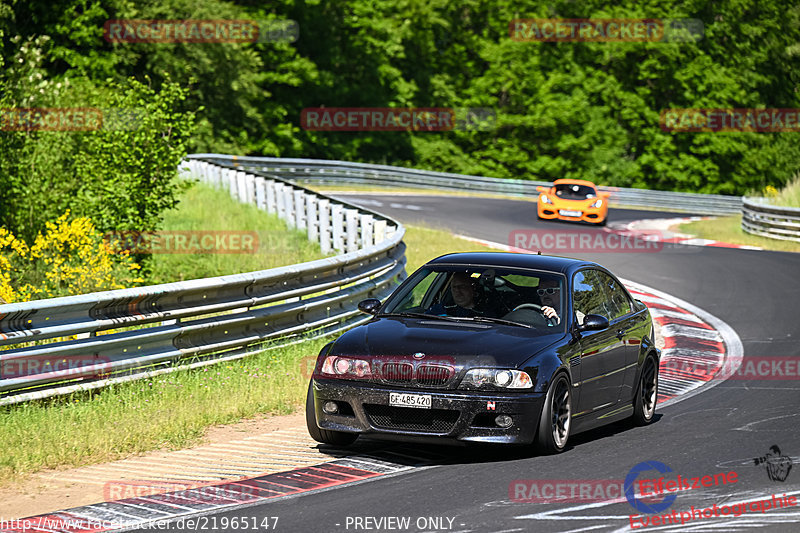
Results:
352 229
299 209
261 198
380 231
230 177
312 218
203 172
272 206
250 189
289 204
325 226
367 236
280 201
240 187
337 221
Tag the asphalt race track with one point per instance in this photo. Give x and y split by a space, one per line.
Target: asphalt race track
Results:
723 429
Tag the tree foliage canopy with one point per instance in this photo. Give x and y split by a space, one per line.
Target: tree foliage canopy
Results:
564 109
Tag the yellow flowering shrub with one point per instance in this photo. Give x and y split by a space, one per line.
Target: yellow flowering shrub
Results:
70 258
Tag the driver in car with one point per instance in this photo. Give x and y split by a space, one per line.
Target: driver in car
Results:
549 292
462 289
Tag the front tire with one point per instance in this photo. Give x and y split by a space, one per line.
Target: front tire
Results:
646 398
334 438
556 419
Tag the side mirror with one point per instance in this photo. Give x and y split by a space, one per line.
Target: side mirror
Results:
371 306
594 323
542 189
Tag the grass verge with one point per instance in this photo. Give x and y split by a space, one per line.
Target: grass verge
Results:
171 411
206 210
729 229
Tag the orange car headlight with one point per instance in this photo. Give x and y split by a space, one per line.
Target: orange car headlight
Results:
546 200
598 203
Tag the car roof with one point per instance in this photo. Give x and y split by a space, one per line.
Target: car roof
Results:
551 263
568 181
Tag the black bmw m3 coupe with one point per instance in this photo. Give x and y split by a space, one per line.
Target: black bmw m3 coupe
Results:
493 348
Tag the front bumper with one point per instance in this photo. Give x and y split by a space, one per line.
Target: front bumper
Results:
457 416
592 214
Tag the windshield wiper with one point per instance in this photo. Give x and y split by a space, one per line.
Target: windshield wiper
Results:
499 321
418 315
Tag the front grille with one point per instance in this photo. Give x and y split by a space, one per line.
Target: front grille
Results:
434 375
397 372
425 375
411 418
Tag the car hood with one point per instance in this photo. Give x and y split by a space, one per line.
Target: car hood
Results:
440 340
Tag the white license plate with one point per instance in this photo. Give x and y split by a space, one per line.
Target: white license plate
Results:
422 401
565 213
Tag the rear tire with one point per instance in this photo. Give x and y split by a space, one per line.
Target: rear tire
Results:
334 438
646 398
556 420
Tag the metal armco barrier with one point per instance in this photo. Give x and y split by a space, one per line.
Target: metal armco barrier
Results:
759 217
146 331
345 172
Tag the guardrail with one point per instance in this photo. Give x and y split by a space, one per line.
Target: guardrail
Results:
60 345
346 172
759 217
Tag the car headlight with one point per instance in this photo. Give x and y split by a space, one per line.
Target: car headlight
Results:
598 203
497 377
546 200
345 367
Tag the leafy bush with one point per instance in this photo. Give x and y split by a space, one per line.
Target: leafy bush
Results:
70 258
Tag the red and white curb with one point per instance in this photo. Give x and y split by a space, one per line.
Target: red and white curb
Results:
157 510
657 230
697 345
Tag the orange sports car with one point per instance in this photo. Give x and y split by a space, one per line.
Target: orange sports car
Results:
573 200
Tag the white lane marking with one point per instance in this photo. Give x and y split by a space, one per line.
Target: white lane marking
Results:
377 203
674 314
410 207
673 330
747 427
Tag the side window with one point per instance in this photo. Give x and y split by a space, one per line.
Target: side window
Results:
588 295
619 304
416 296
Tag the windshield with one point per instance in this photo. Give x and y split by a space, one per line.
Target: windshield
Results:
525 297
575 192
